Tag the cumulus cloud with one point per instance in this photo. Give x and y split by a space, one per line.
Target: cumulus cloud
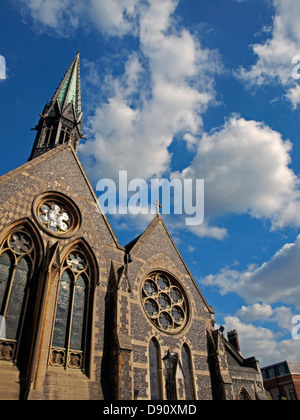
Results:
282 315
272 292
133 130
262 342
2 68
246 170
255 312
274 281
111 17
166 87
275 56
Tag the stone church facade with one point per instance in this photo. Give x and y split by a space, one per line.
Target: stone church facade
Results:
87 318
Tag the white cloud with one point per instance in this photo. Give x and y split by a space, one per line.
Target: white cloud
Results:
166 87
274 57
149 105
111 17
2 68
255 312
245 166
262 343
52 13
114 17
293 95
274 281
282 315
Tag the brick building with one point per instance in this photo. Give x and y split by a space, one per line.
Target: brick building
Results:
88 318
282 380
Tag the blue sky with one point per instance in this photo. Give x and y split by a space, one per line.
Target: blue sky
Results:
194 89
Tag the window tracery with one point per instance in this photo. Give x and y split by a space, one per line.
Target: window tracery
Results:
165 302
56 214
17 261
70 326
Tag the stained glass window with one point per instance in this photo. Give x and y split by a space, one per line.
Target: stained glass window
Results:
17 258
56 214
54 218
15 303
78 315
188 380
165 302
150 288
178 315
175 295
165 321
5 267
71 312
154 371
62 311
151 308
163 282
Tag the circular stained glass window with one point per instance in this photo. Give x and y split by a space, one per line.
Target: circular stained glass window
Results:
56 214
54 217
150 288
151 308
165 303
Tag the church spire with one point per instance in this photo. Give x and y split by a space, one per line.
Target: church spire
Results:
69 89
61 121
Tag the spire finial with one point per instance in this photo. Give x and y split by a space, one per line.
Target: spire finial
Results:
158 206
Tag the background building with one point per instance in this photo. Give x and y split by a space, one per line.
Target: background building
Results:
282 380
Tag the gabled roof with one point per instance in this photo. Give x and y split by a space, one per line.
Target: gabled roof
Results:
35 162
134 246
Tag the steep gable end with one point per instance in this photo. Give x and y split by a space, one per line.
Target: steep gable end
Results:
156 240
58 170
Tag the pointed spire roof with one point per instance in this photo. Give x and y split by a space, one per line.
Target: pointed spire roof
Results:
69 90
61 120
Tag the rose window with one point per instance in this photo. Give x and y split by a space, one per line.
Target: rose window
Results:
56 214
76 262
54 217
165 303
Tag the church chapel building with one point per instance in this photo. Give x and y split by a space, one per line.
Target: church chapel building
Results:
82 317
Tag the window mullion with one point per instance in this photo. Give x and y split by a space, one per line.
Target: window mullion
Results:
8 290
87 305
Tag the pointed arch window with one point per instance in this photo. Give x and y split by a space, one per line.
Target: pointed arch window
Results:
65 135
50 136
243 395
17 262
187 371
72 309
154 361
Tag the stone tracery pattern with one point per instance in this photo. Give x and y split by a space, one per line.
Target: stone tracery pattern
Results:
54 217
164 303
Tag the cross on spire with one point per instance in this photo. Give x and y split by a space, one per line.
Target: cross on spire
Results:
158 206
